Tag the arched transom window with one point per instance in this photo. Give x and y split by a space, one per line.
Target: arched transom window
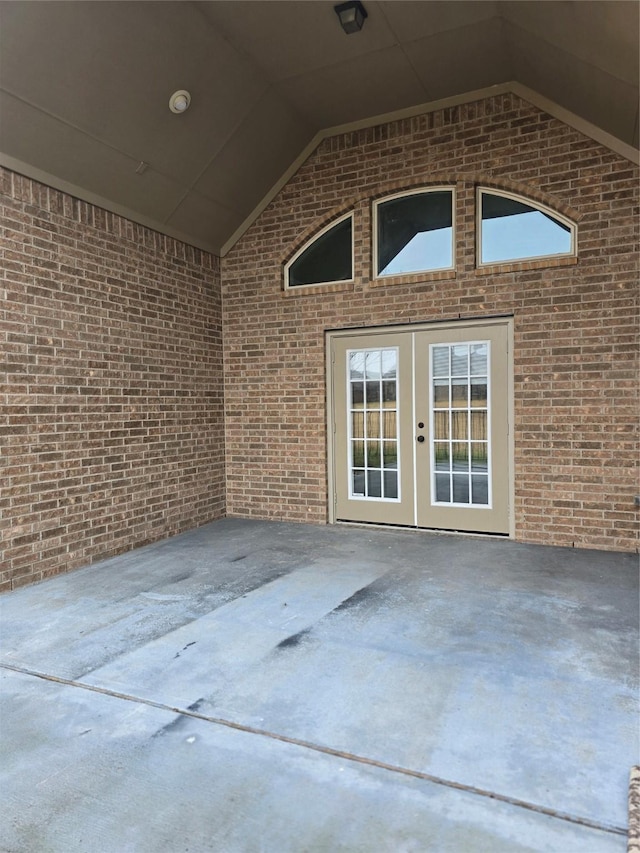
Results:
414 232
324 259
513 228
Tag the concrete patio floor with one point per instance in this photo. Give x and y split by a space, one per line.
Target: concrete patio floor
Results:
261 686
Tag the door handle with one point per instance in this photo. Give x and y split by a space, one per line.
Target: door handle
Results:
420 438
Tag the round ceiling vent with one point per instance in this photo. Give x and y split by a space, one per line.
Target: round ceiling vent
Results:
179 101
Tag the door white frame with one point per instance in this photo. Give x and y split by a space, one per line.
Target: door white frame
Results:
470 324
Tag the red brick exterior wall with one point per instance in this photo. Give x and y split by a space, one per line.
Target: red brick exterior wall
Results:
576 324
111 419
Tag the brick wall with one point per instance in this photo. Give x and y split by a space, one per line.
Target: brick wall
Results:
576 324
111 423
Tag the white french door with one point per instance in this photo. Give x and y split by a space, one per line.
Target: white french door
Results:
420 426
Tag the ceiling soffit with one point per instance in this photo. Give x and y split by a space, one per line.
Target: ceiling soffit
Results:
84 90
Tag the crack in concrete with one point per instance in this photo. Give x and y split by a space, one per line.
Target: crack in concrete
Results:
325 750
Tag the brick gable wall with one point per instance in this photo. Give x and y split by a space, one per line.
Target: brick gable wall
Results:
111 426
576 324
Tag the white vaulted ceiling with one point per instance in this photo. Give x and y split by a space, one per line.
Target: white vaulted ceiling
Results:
84 89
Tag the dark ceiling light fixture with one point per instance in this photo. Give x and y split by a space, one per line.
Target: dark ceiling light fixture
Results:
352 15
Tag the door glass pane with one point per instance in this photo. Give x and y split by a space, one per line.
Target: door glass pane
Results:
479 489
389 363
479 359
441 455
440 425
479 457
373 394
440 393
479 392
356 365
358 484
390 457
372 413
373 454
389 424
391 484
440 361
459 423
459 393
374 484
357 424
460 360
443 490
478 426
389 393
373 364
373 424
460 489
460 456
357 394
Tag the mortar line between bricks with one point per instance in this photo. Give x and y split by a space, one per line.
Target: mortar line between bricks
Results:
327 750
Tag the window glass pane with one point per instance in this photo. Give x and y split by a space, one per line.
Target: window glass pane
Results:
415 233
357 394
512 229
357 449
328 258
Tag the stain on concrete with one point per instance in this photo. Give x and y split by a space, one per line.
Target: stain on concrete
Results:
293 640
363 595
179 721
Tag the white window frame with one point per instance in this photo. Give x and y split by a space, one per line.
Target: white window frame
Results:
543 208
405 194
310 242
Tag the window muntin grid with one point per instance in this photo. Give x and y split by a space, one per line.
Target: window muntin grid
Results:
372 407
459 436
